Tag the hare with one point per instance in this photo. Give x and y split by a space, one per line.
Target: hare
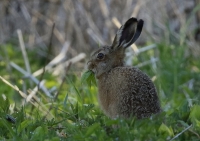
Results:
123 91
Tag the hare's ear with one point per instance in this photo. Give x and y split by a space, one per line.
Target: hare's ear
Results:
128 33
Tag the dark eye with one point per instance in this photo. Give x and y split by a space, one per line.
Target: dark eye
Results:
100 56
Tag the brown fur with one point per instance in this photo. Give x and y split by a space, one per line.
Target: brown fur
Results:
123 91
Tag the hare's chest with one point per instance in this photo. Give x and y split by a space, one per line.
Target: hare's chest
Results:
108 97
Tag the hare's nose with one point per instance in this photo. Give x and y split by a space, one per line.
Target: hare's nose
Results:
88 62
90 65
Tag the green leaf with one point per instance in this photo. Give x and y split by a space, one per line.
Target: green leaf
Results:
53 139
93 79
23 125
4 104
8 126
197 123
65 101
89 78
111 122
92 129
75 111
39 133
164 129
183 123
85 76
195 114
76 90
88 107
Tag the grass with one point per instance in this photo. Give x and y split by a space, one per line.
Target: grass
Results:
75 114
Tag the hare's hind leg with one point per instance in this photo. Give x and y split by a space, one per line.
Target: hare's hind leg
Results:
128 106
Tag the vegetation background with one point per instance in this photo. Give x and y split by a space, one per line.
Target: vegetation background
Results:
45 44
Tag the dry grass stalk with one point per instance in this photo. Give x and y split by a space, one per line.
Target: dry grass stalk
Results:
57 60
34 79
37 104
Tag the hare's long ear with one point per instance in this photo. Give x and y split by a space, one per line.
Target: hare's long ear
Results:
128 33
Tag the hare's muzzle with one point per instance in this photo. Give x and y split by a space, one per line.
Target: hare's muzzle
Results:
90 66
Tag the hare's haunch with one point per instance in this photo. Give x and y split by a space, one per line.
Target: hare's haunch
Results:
123 91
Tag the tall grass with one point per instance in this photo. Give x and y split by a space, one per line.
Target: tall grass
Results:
75 115
56 105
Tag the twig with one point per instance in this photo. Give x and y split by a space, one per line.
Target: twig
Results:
146 48
48 22
41 108
137 8
22 46
69 6
34 91
44 89
176 10
14 87
177 135
138 51
104 9
195 133
153 60
59 58
91 23
27 16
95 37
116 22
60 67
135 48
49 49
63 80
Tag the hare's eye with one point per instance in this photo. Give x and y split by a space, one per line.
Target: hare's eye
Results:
100 56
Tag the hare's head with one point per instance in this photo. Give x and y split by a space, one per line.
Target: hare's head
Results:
108 57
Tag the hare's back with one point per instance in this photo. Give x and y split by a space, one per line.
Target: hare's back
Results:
132 79
129 74
137 92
